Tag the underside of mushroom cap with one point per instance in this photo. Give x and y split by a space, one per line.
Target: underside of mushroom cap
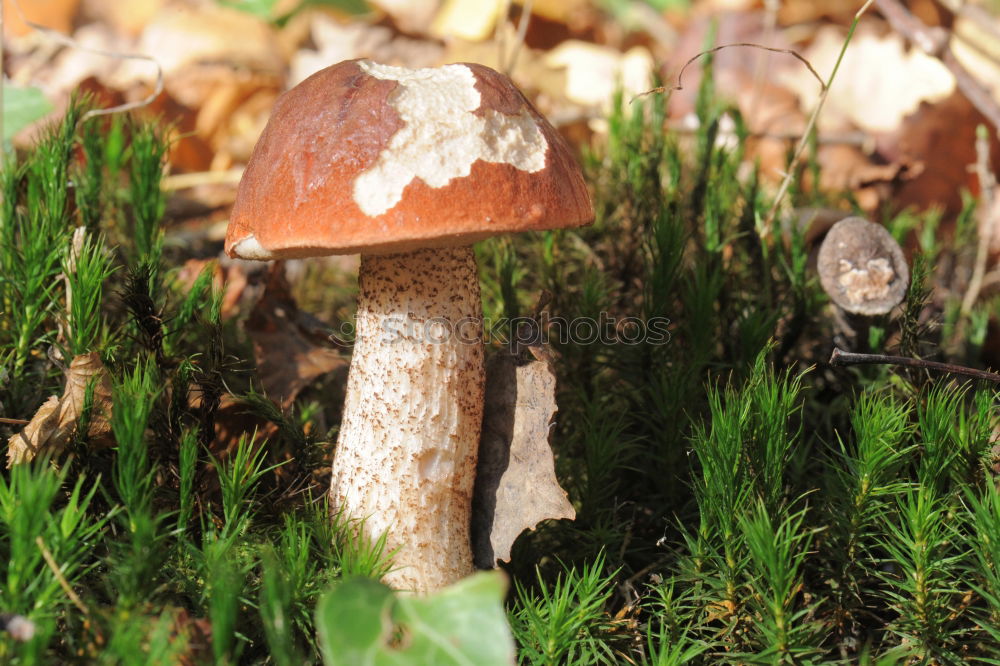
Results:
367 158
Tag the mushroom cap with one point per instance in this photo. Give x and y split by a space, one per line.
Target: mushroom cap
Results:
862 267
367 158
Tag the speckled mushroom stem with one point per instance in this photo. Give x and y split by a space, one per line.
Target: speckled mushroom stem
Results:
406 456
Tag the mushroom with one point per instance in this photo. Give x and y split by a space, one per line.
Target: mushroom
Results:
862 267
863 271
407 167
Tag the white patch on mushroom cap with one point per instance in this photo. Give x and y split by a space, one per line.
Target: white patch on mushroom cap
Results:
441 138
869 282
250 248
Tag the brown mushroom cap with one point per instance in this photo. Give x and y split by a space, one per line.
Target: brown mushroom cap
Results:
362 157
862 267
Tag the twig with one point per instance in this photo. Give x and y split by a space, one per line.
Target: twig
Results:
3 26
761 65
14 421
772 49
183 181
987 225
500 33
974 91
934 42
977 29
841 357
60 578
522 31
810 125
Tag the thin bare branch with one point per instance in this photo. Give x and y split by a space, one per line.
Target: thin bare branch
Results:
680 74
60 578
841 357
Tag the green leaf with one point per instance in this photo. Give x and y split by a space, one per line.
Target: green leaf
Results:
353 7
363 623
262 9
21 107
267 10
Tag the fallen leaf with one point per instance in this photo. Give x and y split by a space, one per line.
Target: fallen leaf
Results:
180 36
21 107
56 15
55 422
90 59
976 45
595 72
336 41
473 20
124 17
793 12
875 99
516 485
734 70
197 633
230 279
938 144
562 11
235 420
291 347
412 16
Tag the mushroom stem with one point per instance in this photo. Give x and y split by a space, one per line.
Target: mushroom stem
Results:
406 455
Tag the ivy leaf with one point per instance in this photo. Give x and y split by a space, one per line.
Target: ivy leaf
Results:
21 107
363 623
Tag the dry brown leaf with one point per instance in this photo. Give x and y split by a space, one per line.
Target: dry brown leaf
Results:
197 633
291 347
937 143
792 12
472 20
733 69
181 36
873 98
235 421
231 279
976 45
412 16
71 66
516 485
54 424
56 15
124 17
335 41
595 72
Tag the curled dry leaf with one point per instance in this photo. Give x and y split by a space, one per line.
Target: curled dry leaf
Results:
55 422
516 485
289 345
